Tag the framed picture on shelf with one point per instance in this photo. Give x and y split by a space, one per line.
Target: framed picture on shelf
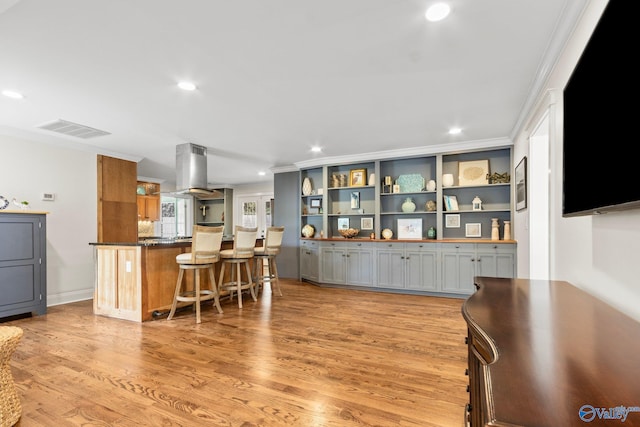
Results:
473 229
343 223
450 203
355 200
521 184
366 223
410 228
316 203
358 177
473 173
452 221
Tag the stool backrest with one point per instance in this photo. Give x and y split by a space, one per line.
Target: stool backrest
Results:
244 241
273 240
205 244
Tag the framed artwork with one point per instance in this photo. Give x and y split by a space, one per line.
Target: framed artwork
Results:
358 177
452 221
355 200
473 229
343 223
473 173
450 203
410 228
521 184
315 203
366 223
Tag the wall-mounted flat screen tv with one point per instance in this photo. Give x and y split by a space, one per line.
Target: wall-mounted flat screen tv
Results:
601 170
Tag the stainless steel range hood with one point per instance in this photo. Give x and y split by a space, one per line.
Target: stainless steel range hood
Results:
191 172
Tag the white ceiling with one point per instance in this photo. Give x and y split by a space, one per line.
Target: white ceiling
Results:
274 77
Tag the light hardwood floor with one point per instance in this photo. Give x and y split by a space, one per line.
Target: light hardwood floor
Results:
314 357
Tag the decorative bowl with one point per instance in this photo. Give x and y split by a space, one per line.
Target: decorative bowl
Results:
349 233
308 231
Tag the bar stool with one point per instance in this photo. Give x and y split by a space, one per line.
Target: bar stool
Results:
268 252
205 252
244 242
10 406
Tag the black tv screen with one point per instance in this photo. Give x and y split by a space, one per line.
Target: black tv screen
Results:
601 171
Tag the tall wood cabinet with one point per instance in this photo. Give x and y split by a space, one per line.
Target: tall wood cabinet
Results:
23 263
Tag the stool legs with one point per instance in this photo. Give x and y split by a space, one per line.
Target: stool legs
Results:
198 295
236 284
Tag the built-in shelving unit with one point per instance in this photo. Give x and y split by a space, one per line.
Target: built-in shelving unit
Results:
335 200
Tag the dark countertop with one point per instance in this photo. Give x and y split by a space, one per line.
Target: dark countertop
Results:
158 241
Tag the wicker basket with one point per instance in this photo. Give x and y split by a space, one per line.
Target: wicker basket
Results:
10 407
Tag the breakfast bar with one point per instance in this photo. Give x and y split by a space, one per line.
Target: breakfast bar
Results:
136 281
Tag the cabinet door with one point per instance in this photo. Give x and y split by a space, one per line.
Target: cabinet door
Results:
458 268
421 268
333 261
309 260
391 266
148 208
360 266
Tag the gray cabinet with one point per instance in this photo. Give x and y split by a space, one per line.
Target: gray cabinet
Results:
347 263
458 267
23 264
407 266
309 260
462 261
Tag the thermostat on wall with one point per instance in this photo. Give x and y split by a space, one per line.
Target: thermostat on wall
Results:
49 197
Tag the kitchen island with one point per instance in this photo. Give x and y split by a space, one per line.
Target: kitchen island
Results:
136 281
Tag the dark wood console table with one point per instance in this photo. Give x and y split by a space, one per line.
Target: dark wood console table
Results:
545 353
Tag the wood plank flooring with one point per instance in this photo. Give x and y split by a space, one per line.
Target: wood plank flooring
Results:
314 357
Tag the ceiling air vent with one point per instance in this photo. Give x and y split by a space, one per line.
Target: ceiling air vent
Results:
73 129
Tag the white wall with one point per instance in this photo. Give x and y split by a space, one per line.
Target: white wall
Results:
599 254
30 169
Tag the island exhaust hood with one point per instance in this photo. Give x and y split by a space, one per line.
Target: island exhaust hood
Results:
191 172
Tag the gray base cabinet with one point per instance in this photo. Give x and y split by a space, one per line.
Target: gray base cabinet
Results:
416 267
407 266
462 261
347 263
23 264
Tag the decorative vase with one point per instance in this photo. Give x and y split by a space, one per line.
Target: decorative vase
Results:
431 185
430 206
447 180
372 179
507 230
495 229
408 205
431 233
306 186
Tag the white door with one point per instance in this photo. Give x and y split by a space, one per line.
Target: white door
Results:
254 211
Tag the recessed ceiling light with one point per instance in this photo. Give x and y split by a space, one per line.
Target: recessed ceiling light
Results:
12 94
455 131
316 149
262 173
437 12
187 86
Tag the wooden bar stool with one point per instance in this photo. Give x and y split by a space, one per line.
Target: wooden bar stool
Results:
244 242
267 253
10 406
205 252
